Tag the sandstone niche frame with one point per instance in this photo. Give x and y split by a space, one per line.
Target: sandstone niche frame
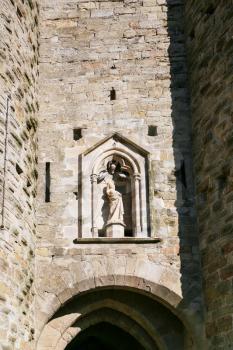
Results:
129 177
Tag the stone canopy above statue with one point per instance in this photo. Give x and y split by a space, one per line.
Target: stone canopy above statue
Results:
114 190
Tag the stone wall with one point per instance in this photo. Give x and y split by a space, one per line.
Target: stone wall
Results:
18 111
89 48
209 42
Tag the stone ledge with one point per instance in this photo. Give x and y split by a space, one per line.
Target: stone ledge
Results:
130 240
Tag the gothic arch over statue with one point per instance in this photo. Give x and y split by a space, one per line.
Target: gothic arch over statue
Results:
116 194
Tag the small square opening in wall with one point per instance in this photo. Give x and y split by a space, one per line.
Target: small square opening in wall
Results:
77 134
152 130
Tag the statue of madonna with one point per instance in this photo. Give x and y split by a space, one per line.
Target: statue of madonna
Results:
116 209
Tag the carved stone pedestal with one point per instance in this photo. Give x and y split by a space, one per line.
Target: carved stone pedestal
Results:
115 230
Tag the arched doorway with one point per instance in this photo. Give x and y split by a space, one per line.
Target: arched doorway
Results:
104 336
113 318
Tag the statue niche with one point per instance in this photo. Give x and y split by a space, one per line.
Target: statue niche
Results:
116 209
114 189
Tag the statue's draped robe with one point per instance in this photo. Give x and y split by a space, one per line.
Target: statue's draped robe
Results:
116 209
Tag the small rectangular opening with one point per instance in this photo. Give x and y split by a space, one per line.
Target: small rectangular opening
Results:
210 10
113 94
182 178
152 130
222 183
128 233
77 134
101 233
47 182
18 169
183 174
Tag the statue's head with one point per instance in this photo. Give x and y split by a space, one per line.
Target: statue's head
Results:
112 167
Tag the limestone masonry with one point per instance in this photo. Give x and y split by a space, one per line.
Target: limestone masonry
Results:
210 33
116 175
18 147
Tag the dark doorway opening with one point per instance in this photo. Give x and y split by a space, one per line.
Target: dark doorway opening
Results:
103 336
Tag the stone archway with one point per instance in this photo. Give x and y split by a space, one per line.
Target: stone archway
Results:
104 336
140 315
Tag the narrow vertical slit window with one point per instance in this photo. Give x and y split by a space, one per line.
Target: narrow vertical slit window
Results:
182 178
183 174
113 94
222 184
47 182
5 161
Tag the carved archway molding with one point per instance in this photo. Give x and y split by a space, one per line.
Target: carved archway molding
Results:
121 153
65 329
159 292
138 189
92 222
123 322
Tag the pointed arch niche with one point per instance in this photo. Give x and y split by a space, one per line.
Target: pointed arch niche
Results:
114 190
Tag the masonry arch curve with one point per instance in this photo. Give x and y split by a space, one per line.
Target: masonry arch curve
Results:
137 308
121 153
110 316
112 342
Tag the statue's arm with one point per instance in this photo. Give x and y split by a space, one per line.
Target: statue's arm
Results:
101 176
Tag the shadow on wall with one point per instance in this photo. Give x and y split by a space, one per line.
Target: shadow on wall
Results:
182 147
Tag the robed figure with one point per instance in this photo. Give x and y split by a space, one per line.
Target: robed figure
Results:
116 208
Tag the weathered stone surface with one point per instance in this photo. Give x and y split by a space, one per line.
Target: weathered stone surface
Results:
136 49
209 43
111 67
18 174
